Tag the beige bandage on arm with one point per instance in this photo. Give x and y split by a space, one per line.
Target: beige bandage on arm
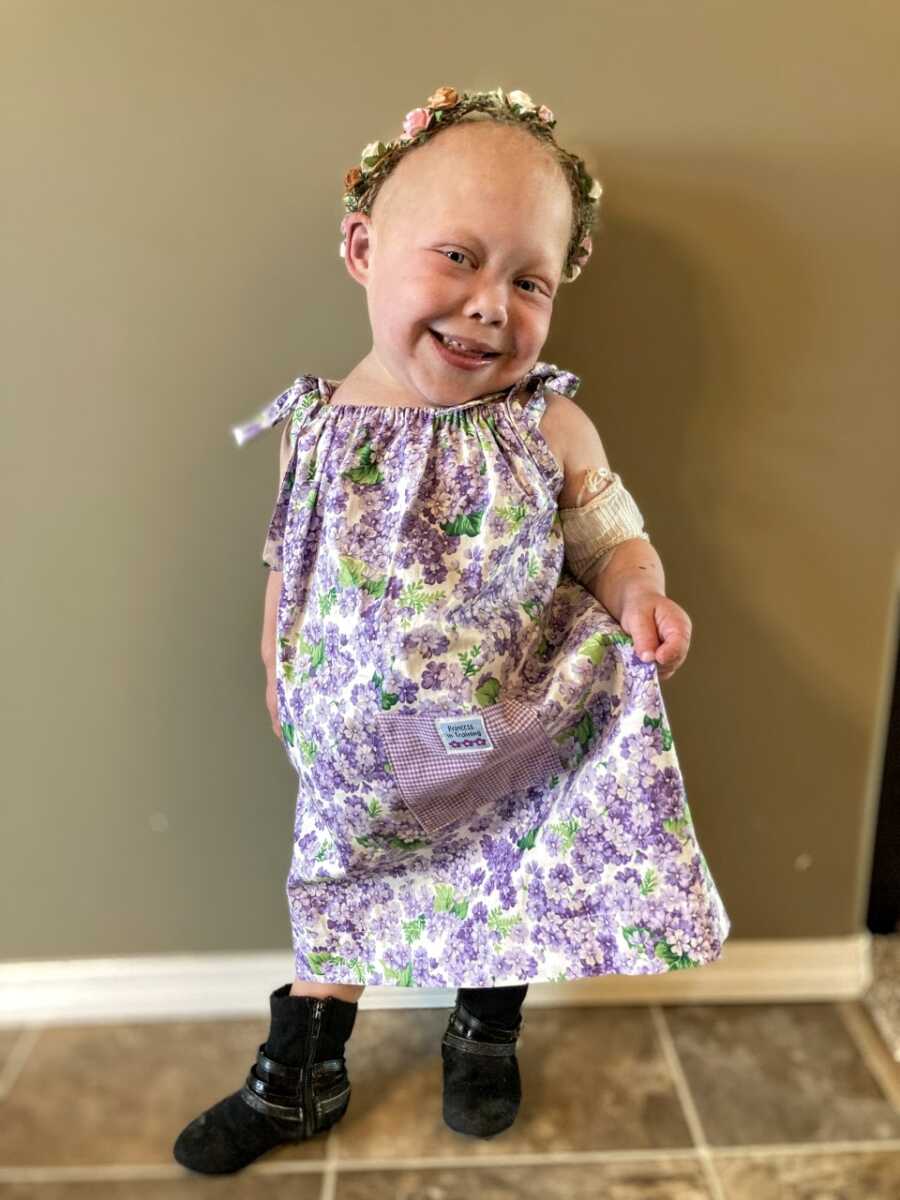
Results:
594 528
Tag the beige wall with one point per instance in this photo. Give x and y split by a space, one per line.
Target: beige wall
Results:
172 205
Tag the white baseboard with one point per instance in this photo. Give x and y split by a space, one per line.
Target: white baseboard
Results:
209 986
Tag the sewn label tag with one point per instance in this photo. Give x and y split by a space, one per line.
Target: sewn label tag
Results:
463 734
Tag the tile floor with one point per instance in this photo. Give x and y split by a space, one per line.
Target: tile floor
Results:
696 1102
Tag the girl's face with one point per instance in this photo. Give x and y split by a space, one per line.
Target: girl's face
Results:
467 237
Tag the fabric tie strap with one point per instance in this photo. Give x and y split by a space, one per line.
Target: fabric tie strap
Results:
274 411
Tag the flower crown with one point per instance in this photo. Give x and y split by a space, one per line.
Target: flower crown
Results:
446 107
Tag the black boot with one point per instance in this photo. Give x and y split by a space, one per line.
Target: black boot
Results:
482 1085
297 1087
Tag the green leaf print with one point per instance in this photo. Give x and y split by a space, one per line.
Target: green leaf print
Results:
527 842
308 750
413 930
323 851
317 654
399 843
632 933
648 883
445 901
386 699
357 968
372 840
661 948
319 960
307 400
311 468
512 514
413 596
367 473
287 733
375 587
402 978
327 601
567 831
467 659
534 565
489 692
501 924
664 732
675 962
541 649
534 608
460 419
354 572
374 807
677 825
465 525
582 733
594 647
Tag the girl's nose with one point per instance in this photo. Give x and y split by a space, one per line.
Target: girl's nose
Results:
488 303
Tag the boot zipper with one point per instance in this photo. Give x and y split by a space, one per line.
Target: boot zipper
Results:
309 1114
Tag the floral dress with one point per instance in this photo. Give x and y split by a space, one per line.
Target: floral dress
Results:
489 792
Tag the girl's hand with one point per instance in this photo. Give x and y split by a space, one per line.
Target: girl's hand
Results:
272 702
660 628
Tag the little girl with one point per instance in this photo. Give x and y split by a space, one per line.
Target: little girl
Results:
465 631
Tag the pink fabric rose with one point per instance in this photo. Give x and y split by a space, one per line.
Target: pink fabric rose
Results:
414 122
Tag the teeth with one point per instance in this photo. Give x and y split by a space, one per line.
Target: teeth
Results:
448 341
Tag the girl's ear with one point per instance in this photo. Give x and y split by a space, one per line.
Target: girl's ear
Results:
359 242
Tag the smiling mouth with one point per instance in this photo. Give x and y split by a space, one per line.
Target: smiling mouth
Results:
455 348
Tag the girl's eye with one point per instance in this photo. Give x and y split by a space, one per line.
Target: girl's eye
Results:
534 288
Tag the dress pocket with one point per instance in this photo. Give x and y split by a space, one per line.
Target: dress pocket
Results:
446 764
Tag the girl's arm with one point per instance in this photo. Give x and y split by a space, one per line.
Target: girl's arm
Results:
629 567
632 566
268 648
270 612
